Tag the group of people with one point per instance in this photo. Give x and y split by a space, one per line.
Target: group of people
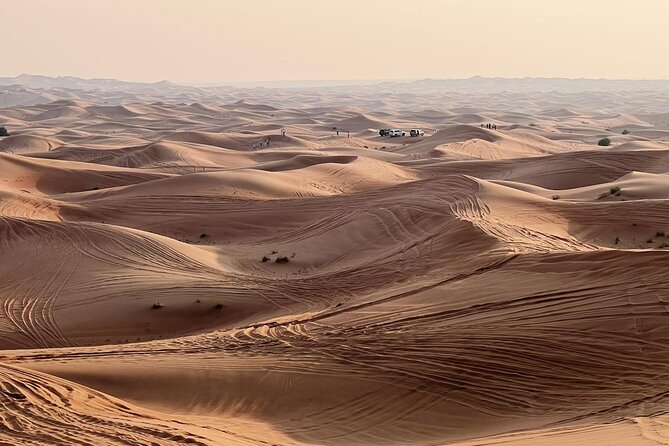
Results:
263 143
489 126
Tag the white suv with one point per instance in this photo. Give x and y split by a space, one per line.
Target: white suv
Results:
396 132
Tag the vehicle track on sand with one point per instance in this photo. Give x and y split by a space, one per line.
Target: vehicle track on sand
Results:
357 307
30 309
520 237
39 409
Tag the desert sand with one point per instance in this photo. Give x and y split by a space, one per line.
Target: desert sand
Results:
168 277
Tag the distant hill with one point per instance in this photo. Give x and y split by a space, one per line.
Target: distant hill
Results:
533 84
461 96
76 83
473 84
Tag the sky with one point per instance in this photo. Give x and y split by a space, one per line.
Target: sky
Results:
215 41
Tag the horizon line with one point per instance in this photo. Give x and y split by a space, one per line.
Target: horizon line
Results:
370 80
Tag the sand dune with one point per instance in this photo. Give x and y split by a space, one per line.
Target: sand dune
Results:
474 142
42 410
169 278
65 111
299 176
360 122
633 186
559 171
27 144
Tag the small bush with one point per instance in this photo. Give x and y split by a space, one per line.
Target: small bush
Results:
650 240
265 259
616 241
659 234
626 132
604 142
204 235
218 306
282 259
3 131
533 124
615 190
555 197
156 306
603 195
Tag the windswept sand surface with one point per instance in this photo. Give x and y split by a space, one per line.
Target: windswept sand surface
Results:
169 278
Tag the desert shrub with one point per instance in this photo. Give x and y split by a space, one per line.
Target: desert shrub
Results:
3 131
555 197
218 306
282 259
265 259
650 240
604 142
615 190
533 124
156 306
659 234
603 195
616 241
626 132
204 235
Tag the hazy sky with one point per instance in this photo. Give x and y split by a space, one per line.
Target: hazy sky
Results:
249 40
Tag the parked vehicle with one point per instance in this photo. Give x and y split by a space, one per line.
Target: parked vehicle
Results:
416 132
384 132
396 132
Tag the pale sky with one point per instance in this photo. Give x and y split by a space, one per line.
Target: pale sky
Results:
253 40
